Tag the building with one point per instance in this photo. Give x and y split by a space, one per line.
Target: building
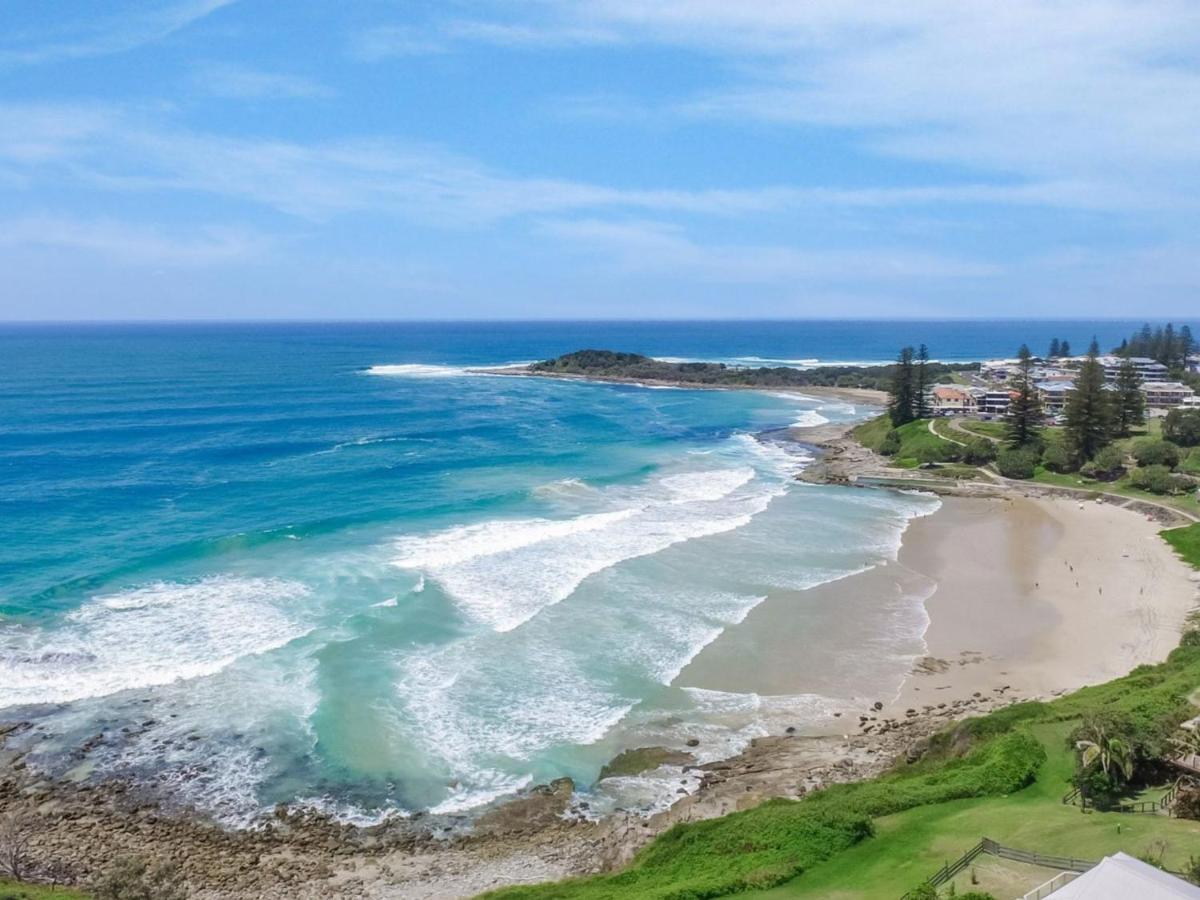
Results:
1053 395
1147 369
952 400
1117 877
995 403
1166 394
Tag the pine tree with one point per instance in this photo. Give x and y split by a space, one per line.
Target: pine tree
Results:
1065 349
900 402
1169 347
1089 412
1025 410
1187 344
1129 405
1055 349
921 384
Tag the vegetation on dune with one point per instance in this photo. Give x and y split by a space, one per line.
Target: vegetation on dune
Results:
1186 542
635 367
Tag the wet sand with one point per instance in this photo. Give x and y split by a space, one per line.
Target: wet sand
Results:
1033 595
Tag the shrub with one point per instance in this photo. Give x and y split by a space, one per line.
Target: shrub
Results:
1056 458
930 454
1018 463
890 445
1109 463
1159 480
1187 805
1156 453
1182 426
979 452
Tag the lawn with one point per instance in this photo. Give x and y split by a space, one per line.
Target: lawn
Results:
910 846
12 890
913 437
1186 542
994 430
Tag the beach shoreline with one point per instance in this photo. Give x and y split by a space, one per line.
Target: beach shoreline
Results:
995 577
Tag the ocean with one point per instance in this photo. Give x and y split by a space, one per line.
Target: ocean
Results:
324 564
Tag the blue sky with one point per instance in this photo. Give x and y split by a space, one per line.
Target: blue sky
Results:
553 159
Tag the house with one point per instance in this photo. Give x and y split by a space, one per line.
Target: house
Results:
995 403
951 400
1053 395
1118 877
1166 394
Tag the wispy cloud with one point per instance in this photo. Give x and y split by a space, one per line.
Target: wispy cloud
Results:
386 41
660 247
238 82
113 31
133 244
1101 93
122 150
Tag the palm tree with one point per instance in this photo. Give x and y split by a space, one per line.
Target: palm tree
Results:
1111 753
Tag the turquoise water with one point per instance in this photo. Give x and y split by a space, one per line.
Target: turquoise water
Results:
326 564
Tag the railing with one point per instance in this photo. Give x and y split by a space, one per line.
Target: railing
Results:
1045 890
1071 796
1064 863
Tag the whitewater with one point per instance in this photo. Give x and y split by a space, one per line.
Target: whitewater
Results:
254 568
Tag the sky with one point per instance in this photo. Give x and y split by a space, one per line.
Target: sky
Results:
218 159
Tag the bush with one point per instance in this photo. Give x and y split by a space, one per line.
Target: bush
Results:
1182 426
1056 458
1018 463
1159 480
1109 463
979 452
891 443
1156 453
931 454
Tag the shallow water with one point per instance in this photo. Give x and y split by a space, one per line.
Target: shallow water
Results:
265 571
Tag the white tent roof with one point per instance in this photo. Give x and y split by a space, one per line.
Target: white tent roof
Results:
1121 877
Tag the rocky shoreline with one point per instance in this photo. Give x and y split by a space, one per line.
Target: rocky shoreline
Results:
77 829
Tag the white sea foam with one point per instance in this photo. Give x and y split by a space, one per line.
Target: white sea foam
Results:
148 636
385 604
504 572
809 418
418 370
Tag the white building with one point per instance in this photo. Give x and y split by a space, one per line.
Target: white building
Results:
952 400
1147 369
1117 877
1166 394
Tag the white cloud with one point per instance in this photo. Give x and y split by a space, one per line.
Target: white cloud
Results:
127 243
656 247
386 41
115 31
239 82
1105 93
122 150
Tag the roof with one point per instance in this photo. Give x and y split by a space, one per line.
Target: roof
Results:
1173 386
1055 387
1121 877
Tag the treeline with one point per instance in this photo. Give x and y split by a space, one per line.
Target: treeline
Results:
609 364
1163 344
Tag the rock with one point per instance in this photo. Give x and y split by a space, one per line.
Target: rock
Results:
693 742
643 759
877 705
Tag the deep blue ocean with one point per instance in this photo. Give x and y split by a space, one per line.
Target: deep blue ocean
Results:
324 563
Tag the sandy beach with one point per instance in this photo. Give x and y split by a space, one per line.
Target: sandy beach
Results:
1016 597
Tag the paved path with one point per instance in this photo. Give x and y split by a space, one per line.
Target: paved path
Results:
944 437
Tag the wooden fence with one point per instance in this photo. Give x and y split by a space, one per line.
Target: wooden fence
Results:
986 845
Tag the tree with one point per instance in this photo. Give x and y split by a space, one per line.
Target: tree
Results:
1025 410
1187 344
1089 413
1152 452
1017 463
979 451
1182 427
921 384
900 402
1065 349
16 833
1055 348
1107 465
1129 404
890 445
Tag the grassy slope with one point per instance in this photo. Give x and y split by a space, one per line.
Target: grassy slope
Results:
1186 542
913 437
11 890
